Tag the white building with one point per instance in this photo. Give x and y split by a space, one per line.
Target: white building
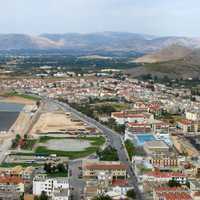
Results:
161 177
123 117
57 188
118 193
192 115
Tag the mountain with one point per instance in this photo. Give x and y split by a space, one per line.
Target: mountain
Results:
172 52
186 67
22 41
118 41
105 41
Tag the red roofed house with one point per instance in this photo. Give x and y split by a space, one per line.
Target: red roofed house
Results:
116 170
136 127
154 108
11 187
12 182
105 176
157 176
185 125
167 193
124 117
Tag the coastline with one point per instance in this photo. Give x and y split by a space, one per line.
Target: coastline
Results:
17 100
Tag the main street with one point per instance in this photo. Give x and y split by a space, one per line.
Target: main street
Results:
113 138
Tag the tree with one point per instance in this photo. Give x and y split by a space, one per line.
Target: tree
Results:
38 104
173 183
43 196
131 194
120 128
130 148
18 137
102 197
188 184
25 136
15 141
108 154
61 167
47 167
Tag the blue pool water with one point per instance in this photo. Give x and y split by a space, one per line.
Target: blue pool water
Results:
142 138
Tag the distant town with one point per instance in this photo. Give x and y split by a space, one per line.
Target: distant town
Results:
98 135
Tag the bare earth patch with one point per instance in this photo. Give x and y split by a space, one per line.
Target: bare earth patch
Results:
52 122
19 100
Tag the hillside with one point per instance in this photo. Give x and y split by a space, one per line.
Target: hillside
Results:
22 41
173 52
186 67
105 41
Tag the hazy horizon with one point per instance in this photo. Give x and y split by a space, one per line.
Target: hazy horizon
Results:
100 32
152 17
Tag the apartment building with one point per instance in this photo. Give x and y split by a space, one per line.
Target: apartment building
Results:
52 186
125 117
12 184
11 188
156 147
19 172
165 161
115 170
192 114
164 177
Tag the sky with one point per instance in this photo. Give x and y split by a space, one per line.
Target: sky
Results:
155 17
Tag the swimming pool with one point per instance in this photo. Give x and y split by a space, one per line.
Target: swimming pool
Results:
142 138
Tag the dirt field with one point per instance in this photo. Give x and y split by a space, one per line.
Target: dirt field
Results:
19 100
57 122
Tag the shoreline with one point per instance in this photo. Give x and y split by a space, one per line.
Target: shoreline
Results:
20 123
17 100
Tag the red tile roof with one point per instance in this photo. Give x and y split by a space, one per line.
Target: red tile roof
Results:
165 174
168 189
185 122
10 180
136 124
175 196
126 115
136 116
154 106
197 194
119 182
118 114
106 166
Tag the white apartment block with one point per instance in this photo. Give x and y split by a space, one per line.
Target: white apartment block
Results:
52 186
192 115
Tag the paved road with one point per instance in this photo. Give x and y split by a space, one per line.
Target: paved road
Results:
5 148
76 183
114 139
